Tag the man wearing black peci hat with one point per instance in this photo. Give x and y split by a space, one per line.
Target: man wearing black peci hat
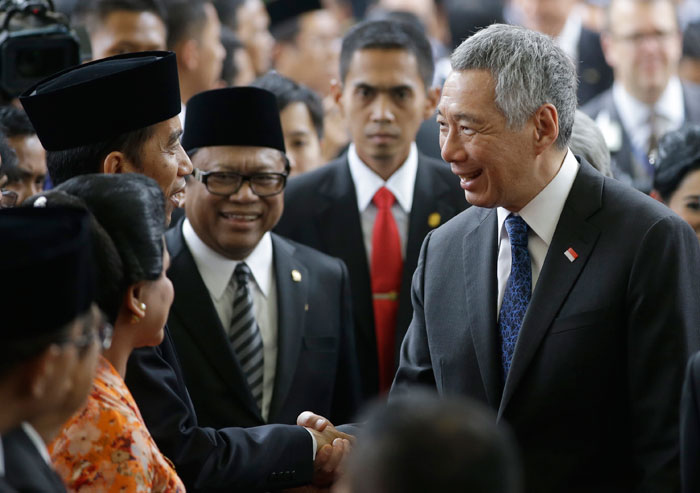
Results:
263 325
40 349
136 129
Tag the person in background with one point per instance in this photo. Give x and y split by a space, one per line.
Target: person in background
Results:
237 68
27 172
48 337
677 177
301 114
122 26
588 142
689 68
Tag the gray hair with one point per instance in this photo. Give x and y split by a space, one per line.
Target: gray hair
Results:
587 141
529 71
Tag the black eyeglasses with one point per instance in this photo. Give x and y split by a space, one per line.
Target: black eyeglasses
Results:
7 199
96 327
227 183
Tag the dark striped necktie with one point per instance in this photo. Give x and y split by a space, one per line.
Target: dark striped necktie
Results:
244 334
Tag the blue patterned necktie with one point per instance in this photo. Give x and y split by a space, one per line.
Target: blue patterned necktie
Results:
518 290
244 334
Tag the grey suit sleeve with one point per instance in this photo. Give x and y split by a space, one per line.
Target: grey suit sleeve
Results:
662 331
415 365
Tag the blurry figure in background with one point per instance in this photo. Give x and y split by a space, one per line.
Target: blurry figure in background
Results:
27 172
689 68
135 295
677 177
194 34
642 43
588 142
421 444
237 68
250 23
593 14
307 42
50 338
8 166
561 19
122 26
301 114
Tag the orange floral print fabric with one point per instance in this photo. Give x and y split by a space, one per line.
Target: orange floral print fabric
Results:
106 447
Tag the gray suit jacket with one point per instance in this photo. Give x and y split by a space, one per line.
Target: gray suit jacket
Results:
595 381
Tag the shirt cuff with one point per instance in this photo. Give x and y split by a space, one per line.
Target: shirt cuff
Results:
313 439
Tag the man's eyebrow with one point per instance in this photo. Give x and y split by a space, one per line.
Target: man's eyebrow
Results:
462 117
175 136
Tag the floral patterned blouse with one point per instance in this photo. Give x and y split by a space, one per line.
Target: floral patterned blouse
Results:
106 446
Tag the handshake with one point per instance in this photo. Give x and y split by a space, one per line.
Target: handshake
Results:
332 447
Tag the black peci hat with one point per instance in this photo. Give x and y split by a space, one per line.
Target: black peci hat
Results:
46 270
284 10
234 116
100 100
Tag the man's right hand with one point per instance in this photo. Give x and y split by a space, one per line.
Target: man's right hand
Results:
332 447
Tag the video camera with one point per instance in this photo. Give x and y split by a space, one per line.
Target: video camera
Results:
35 41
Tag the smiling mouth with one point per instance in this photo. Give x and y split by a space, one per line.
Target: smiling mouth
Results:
178 198
471 176
240 217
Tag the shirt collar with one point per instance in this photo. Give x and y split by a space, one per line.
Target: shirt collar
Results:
542 213
38 442
216 270
367 182
634 113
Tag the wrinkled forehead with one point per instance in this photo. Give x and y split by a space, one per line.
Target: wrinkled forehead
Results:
239 157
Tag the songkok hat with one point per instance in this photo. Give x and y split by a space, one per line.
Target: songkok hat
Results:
100 100
284 10
46 270
234 116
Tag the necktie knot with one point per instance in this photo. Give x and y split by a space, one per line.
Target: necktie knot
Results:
383 199
242 273
517 231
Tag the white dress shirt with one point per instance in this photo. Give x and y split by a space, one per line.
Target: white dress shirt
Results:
401 184
634 114
37 441
216 271
541 215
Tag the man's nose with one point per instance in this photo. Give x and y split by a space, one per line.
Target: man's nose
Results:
382 109
451 148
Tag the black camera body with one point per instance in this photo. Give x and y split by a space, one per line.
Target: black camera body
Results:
35 42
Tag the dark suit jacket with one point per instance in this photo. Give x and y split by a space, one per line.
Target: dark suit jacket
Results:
690 427
321 211
594 73
208 459
25 469
594 388
316 365
622 161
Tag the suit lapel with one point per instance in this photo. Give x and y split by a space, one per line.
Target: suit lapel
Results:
196 312
292 297
558 274
479 252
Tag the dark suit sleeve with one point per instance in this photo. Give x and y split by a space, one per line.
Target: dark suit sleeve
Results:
690 428
415 365
347 396
258 458
662 330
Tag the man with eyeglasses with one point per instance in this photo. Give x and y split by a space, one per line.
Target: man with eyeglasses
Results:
263 325
48 355
642 43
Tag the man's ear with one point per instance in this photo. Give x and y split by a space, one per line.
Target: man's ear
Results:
546 120
431 102
116 162
337 94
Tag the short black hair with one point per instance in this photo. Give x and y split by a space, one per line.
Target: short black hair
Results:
228 11
14 122
65 164
679 154
186 20
287 30
288 91
231 43
388 35
88 12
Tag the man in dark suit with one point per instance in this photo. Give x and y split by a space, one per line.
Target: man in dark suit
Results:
386 70
564 300
642 42
690 427
300 297
145 87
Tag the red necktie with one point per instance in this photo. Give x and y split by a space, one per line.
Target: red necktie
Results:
386 279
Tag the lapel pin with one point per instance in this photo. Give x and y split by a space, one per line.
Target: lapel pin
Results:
434 220
571 254
296 275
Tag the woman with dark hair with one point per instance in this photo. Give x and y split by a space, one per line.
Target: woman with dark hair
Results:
677 176
106 445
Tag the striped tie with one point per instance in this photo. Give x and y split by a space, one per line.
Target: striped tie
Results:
245 337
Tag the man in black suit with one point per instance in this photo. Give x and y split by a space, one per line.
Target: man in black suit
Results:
386 70
305 356
47 355
562 299
642 42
